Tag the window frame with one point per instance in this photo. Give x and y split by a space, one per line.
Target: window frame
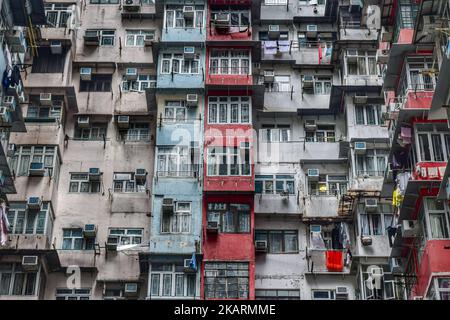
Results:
79 182
176 219
123 233
228 55
131 185
340 184
20 169
377 154
228 271
230 102
174 274
238 153
266 235
60 9
18 210
263 180
15 273
73 294
179 67
218 211
137 35
197 23
86 243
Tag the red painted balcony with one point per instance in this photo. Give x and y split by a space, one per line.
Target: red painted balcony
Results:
228 24
429 170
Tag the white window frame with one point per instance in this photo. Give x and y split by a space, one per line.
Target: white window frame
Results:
182 157
167 59
218 56
174 106
100 127
427 212
86 243
234 12
60 9
216 104
275 2
275 133
143 82
137 36
81 178
328 134
107 34
438 290
136 131
365 111
331 294
137 186
73 294
174 274
371 155
14 272
430 148
229 152
281 83
266 180
366 55
17 209
176 219
197 23
17 160
328 182
129 233
384 211
323 81
417 65
211 272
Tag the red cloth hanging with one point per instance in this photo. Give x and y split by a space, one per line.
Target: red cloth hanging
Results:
335 262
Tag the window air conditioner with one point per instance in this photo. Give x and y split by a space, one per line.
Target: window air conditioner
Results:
131 74
45 99
131 5
191 100
36 169
315 228
112 243
188 12
310 125
308 81
131 289
140 174
90 230
148 40
94 174
86 74
91 38
360 99
30 263
410 228
189 53
311 31
274 31
212 226
371 204
222 21
168 205
269 76
123 121
11 149
261 246
360 147
187 266
83 121
56 47
342 290
34 203
313 174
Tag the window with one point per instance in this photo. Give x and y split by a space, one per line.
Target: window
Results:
229 62
238 18
434 142
79 183
232 217
14 281
275 2
375 223
443 288
98 83
386 289
135 38
37 113
328 185
104 1
279 84
57 14
73 294
436 219
175 111
277 294
143 82
24 155
23 221
324 133
73 239
107 37
279 241
178 221
363 64
229 110
175 162
322 85
47 62
373 163
310 2
170 280
127 236
229 161
368 115
323 294
174 17
175 63
275 133
415 77
135 132
270 184
125 182
226 280
96 131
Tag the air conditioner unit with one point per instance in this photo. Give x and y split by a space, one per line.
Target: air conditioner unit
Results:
56 47
83 121
11 149
418 298
410 228
36 169
315 228
360 147
131 74
86 74
261 246
4 115
148 40
191 100
274 31
123 121
10 102
188 12
16 41
352 55
94 174
30 263
382 56
269 76
212 226
311 31
168 205
189 53
34 203
395 265
313 174
342 290
310 125
140 174
308 81
91 38
366 240
90 230
131 5
45 99
371 204
131 289
187 266
112 242
222 21
360 99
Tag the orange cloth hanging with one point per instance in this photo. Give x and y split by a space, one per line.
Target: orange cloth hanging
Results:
334 260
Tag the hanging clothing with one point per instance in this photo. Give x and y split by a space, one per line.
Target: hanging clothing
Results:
4 225
284 45
317 241
335 261
402 180
6 81
391 231
397 198
270 47
8 58
344 235
15 76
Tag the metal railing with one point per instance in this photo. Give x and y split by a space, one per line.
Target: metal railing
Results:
317 260
193 173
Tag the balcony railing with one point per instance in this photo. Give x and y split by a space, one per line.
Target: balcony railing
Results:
327 260
366 173
178 174
229 71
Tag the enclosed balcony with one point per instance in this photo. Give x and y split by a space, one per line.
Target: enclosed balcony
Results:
229 24
138 9
360 68
62 21
323 261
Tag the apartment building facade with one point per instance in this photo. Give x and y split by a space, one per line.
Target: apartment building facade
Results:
214 149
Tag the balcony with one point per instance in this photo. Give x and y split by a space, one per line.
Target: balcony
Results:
239 76
276 204
27 242
130 202
169 132
138 9
323 261
429 170
362 80
229 183
354 31
295 52
321 206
